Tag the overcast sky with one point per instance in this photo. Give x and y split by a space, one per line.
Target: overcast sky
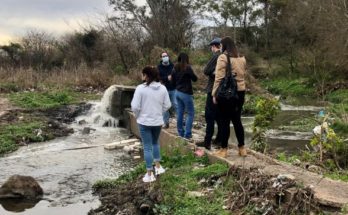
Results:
54 16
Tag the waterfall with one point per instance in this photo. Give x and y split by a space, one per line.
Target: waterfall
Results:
99 114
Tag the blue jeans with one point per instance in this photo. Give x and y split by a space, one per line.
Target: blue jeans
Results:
184 103
149 136
172 98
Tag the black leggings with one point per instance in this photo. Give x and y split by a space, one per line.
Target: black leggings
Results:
228 112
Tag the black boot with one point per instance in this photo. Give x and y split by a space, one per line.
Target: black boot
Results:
203 144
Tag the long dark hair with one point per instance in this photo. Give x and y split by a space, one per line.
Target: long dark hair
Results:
151 74
229 46
183 62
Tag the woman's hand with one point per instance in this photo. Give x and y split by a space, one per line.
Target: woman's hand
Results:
214 100
170 77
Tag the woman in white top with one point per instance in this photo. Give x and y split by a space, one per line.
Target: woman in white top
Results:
150 101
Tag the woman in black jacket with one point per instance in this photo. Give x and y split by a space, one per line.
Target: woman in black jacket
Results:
182 78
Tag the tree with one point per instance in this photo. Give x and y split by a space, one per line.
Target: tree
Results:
13 52
40 51
168 23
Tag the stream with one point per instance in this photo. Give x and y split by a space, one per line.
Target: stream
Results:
67 167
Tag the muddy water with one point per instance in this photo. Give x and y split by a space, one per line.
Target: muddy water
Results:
66 168
289 142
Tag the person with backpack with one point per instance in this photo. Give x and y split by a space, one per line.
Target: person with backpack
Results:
210 107
230 109
182 78
149 102
165 68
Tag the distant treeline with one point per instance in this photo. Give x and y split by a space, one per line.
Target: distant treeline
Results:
309 35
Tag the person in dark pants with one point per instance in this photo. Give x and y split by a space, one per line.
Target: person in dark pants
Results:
230 111
210 107
165 68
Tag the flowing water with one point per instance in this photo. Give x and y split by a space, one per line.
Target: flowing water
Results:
66 168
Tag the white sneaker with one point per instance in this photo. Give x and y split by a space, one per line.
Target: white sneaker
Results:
149 178
159 170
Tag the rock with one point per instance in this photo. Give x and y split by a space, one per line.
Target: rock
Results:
18 186
286 176
87 130
296 162
136 157
195 194
314 168
82 122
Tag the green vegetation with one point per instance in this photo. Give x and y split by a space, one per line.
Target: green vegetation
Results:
283 157
8 87
27 130
293 87
182 177
199 101
266 110
48 99
250 104
11 135
301 124
113 183
41 99
176 159
338 96
177 184
200 57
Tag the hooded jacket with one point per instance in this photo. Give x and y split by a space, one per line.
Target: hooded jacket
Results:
149 103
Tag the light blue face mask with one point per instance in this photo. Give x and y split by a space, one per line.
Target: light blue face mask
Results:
165 59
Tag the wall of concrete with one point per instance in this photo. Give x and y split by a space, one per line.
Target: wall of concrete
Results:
121 100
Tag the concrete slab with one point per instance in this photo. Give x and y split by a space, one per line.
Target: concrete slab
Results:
120 144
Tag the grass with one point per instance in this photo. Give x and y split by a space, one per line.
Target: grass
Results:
342 176
285 87
199 101
11 135
125 178
49 99
182 175
177 183
283 157
301 124
338 96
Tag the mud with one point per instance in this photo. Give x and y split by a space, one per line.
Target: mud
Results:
132 198
55 120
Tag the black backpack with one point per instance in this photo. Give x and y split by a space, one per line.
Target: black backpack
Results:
227 90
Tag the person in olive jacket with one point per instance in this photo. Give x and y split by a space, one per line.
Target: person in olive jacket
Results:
230 111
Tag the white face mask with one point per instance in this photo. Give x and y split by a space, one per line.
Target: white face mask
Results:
165 59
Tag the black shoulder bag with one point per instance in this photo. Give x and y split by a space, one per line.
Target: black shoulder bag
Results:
227 90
